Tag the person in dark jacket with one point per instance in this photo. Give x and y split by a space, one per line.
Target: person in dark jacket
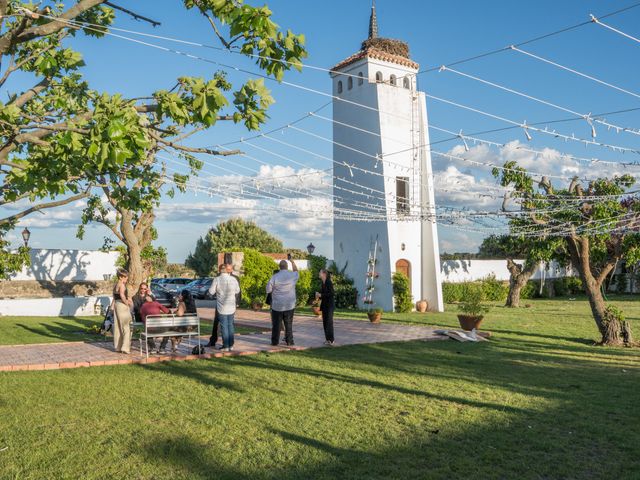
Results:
327 305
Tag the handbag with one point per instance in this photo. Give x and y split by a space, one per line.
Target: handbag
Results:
268 299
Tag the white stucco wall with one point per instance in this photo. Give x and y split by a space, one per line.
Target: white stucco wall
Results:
54 307
456 271
68 265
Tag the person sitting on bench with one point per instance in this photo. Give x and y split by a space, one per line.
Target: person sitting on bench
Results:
152 307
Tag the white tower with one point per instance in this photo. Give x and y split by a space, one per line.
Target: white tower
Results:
382 173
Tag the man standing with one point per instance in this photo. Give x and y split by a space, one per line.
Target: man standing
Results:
225 287
282 287
216 320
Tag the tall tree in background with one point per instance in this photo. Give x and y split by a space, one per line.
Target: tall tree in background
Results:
597 224
106 146
234 234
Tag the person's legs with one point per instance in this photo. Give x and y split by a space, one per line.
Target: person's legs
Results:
288 326
276 320
224 326
214 330
327 323
231 330
122 328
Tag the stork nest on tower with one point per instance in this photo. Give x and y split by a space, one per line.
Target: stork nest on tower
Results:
387 45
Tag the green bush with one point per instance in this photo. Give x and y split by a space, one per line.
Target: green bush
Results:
257 270
494 290
401 293
452 292
530 290
345 294
303 287
316 263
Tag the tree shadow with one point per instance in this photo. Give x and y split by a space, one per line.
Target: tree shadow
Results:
61 331
194 371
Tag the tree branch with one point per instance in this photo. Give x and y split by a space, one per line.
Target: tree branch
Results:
184 148
42 206
135 15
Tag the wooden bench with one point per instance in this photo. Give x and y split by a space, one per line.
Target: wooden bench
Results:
171 326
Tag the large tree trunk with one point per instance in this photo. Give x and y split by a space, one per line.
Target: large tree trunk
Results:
609 328
137 233
519 276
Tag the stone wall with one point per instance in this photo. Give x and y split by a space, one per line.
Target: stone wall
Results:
53 289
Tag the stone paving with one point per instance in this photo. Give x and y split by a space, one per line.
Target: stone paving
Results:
307 331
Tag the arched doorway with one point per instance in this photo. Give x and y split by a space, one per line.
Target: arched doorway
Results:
404 266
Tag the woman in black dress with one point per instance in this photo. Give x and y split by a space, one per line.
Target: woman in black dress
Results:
327 305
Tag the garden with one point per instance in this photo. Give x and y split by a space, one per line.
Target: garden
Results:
539 400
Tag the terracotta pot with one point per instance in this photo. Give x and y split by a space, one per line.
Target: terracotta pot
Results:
256 306
316 311
469 322
422 306
374 317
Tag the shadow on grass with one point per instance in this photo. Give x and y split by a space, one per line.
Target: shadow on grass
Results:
73 330
194 371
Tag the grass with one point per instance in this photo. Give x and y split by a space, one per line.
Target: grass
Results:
29 330
537 401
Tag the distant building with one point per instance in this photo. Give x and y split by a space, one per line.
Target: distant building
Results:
378 111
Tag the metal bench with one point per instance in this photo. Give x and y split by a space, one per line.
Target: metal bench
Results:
171 326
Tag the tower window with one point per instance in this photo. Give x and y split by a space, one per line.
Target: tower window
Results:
360 79
402 195
378 76
340 86
350 83
406 83
392 79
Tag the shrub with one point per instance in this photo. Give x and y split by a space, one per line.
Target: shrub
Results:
401 293
472 304
529 291
316 263
452 292
345 294
494 290
303 287
257 270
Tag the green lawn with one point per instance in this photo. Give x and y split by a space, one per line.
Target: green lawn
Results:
28 330
536 402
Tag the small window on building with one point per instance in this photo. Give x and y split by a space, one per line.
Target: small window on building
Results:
340 86
350 83
378 76
392 79
402 195
406 83
360 78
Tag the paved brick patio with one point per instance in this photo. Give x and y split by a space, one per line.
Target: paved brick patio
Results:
307 332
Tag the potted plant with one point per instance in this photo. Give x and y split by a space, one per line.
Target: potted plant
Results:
422 306
374 314
256 304
315 306
472 309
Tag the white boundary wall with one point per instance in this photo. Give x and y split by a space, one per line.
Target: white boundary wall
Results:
457 271
54 307
68 265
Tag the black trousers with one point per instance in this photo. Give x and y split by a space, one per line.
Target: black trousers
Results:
214 331
327 323
277 319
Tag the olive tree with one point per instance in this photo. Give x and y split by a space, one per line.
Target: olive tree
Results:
62 141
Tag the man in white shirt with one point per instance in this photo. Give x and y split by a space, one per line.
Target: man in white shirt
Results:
282 287
225 287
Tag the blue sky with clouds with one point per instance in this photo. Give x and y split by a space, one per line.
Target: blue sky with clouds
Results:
438 33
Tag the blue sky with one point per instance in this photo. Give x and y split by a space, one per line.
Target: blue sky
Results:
438 33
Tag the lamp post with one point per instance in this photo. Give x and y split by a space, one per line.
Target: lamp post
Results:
26 234
311 248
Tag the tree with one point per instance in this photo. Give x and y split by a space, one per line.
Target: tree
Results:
511 247
257 269
597 223
154 260
231 235
105 146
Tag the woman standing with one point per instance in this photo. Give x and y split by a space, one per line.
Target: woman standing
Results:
122 310
327 305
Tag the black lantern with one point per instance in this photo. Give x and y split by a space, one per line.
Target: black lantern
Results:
26 234
311 248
